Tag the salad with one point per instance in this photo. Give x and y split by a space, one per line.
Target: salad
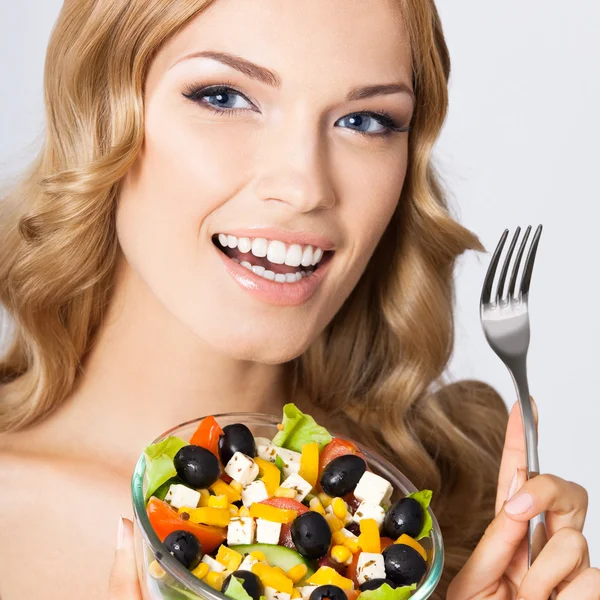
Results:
299 516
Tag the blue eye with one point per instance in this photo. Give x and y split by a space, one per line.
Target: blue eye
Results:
222 100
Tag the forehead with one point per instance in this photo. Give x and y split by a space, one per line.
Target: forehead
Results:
327 42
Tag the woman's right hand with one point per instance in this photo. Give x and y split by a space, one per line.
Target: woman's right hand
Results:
124 583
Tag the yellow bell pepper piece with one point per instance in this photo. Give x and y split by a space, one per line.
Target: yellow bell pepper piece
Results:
229 558
296 594
297 573
220 488
269 474
220 501
369 539
329 576
309 463
272 577
271 513
206 515
408 541
204 496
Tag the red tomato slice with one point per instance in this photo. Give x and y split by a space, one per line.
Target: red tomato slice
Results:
165 520
352 568
285 537
207 435
385 542
337 447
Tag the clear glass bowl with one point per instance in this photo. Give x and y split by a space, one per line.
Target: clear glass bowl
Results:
180 584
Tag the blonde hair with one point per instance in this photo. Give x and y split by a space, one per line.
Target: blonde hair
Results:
377 366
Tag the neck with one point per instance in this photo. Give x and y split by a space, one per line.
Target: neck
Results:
147 372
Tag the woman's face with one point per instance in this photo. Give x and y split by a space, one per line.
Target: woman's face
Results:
291 145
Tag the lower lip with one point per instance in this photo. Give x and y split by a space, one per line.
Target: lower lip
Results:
274 292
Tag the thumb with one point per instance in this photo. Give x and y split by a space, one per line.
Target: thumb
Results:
495 552
123 583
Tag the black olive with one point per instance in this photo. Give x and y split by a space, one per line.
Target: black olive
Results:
333 592
373 584
197 466
353 528
250 582
404 516
236 438
311 534
185 547
403 564
342 474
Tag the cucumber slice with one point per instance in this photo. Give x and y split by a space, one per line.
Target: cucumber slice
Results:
278 556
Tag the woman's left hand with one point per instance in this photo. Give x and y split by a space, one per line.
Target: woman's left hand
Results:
497 569
124 583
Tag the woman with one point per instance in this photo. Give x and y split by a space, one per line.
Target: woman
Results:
176 130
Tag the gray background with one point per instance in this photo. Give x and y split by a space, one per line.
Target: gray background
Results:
519 147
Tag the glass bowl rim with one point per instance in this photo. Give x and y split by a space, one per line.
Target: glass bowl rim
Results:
184 576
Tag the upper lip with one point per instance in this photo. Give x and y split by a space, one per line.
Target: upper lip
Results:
284 235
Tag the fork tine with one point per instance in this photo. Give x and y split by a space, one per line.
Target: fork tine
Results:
511 249
486 293
515 272
526 279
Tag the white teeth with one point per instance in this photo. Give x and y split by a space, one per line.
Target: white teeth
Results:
317 255
258 270
290 277
269 275
259 247
280 277
276 252
307 256
231 241
246 264
223 240
293 256
244 245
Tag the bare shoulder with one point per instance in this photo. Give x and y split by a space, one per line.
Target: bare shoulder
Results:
56 521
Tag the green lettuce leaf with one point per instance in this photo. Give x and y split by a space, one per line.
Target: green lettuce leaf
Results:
300 429
236 590
159 462
385 592
424 499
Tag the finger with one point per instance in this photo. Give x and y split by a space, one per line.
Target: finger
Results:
565 502
586 586
492 556
562 559
514 455
123 583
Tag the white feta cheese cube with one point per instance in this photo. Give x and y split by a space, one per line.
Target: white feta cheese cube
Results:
273 594
369 511
248 563
265 449
180 495
299 485
307 590
242 468
254 492
213 564
267 532
370 566
241 530
291 460
348 534
373 489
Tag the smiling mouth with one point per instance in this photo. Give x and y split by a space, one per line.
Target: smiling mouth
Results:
263 261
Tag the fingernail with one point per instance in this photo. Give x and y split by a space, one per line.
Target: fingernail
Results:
120 534
513 485
519 504
534 408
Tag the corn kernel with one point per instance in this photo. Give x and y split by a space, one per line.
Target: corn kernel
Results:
218 501
297 573
352 545
201 571
341 554
338 538
215 580
237 486
244 511
234 511
325 499
339 508
334 523
282 492
156 571
315 504
258 555
296 594
204 496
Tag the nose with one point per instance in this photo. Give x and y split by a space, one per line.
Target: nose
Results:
293 168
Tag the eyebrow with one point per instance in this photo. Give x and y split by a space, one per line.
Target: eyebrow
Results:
272 78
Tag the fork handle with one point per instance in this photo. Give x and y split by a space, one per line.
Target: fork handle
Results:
537 534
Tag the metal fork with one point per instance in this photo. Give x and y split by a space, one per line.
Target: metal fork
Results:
505 322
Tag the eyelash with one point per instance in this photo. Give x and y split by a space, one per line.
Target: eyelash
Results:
195 94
